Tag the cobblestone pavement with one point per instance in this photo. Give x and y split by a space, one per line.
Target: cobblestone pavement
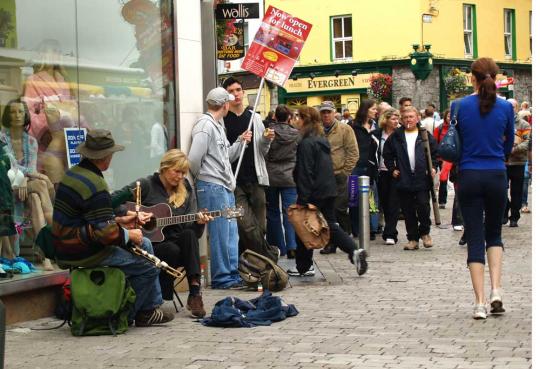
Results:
411 310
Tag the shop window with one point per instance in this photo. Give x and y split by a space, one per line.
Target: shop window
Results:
509 34
342 42
70 65
469 31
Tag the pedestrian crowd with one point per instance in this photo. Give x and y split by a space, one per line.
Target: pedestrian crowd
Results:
306 156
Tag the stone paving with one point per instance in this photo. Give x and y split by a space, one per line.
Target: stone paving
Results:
411 310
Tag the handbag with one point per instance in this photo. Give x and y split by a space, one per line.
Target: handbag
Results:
310 225
450 147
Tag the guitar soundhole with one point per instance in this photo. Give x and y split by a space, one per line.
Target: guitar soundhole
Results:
150 225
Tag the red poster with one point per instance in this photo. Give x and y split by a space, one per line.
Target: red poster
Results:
276 46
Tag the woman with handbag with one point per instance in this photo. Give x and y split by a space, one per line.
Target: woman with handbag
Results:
316 185
486 128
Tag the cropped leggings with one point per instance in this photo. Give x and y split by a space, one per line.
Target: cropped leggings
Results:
482 197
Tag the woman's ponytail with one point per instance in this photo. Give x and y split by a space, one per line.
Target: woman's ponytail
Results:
485 70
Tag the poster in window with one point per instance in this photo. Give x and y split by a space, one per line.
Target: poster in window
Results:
230 40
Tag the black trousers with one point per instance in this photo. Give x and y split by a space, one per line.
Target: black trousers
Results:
184 252
415 207
515 174
389 202
338 237
342 203
443 191
252 226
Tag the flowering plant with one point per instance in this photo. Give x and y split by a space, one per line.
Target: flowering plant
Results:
455 83
380 86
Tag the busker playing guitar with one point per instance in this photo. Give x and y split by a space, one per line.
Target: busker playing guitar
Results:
181 245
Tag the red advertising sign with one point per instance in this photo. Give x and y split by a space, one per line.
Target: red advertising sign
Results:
276 46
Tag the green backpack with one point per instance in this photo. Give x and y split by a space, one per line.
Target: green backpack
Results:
102 299
255 268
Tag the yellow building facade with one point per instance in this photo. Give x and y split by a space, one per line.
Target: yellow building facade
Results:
352 40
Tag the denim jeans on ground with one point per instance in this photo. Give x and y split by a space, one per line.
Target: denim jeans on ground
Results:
280 198
141 274
223 234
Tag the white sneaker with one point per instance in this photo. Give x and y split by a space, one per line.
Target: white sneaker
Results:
495 300
480 311
310 272
458 228
390 241
293 272
359 259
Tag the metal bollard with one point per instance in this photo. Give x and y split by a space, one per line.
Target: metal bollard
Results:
363 209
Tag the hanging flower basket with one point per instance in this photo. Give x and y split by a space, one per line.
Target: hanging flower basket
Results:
455 83
380 86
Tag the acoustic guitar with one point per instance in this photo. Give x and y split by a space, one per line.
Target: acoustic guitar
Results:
162 217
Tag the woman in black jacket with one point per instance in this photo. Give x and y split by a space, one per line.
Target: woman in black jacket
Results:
316 184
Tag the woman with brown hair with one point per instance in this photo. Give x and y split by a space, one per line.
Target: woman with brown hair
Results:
486 128
181 245
316 184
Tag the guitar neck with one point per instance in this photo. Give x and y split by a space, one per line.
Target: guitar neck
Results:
187 218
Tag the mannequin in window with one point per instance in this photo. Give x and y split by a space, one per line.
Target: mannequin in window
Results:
35 190
54 158
48 83
8 234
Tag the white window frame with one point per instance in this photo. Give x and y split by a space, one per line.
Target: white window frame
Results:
341 39
508 33
468 30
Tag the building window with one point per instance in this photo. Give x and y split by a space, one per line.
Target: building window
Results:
342 43
469 30
509 34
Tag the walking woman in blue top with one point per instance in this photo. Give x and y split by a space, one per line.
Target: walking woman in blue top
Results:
486 127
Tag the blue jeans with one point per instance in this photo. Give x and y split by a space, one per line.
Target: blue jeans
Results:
223 235
274 227
141 274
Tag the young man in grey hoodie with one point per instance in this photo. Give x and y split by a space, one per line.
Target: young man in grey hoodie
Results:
210 162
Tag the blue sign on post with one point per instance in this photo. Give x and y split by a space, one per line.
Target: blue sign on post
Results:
74 137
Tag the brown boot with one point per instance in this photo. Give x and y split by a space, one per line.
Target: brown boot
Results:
411 245
196 306
427 241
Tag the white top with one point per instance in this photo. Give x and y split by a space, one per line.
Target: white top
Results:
384 137
429 124
158 141
411 143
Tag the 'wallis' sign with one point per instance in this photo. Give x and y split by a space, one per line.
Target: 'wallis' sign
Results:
237 11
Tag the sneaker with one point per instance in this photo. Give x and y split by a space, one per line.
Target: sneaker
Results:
328 249
427 241
293 272
462 241
390 241
237 286
152 317
411 245
310 272
196 306
359 258
480 311
495 300
458 228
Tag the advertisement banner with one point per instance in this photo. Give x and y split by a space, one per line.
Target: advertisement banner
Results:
276 46
230 42
74 137
237 11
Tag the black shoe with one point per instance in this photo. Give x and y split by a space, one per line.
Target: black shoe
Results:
513 223
372 236
379 230
504 220
328 249
442 206
462 241
291 254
